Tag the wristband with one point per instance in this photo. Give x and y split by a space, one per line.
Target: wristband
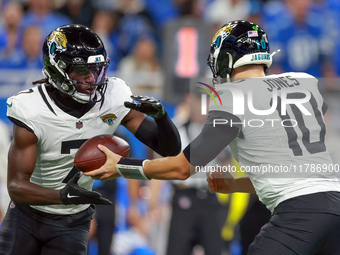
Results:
131 168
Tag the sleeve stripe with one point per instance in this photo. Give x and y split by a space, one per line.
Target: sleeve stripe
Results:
20 124
45 100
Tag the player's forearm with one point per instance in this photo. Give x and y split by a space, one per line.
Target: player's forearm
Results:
169 141
32 194
160 135
169 168
20 189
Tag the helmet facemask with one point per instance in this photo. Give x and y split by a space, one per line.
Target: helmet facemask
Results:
221 65
97 72
94 90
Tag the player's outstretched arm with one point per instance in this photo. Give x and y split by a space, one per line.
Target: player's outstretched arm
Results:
167 168
160 134
205 147
225 182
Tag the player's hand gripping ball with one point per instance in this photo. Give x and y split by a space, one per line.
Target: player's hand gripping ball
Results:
89 157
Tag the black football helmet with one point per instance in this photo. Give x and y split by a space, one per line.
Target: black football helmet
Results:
238 43
75 48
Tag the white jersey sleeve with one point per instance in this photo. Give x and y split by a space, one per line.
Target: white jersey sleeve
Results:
59 134
281 143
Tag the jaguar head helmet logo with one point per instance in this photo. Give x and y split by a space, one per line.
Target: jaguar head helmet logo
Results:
57 42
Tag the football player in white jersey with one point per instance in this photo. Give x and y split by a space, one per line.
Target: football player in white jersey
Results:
275 128
51 206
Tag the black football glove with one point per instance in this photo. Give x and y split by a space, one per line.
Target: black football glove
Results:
73 194
148 105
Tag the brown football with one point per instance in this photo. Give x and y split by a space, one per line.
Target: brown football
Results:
89 157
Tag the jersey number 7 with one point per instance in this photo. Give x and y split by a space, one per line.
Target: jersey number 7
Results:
66 149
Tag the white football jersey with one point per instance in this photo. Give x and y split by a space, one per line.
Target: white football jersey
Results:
281 143
60 134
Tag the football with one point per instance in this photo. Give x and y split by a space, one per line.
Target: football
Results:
89 157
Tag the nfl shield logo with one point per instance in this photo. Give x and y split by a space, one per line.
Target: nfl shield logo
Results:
79 124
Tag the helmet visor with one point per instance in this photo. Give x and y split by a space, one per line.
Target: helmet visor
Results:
91 74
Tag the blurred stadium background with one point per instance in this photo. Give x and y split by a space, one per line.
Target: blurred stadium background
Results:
157 46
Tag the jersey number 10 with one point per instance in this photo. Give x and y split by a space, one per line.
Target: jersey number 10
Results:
312 147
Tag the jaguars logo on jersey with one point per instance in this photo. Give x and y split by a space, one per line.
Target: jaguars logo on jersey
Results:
109 118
